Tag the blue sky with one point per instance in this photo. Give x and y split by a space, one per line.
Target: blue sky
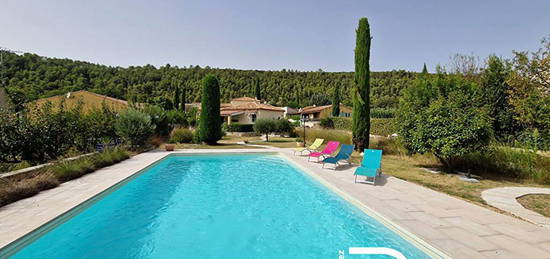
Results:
271 35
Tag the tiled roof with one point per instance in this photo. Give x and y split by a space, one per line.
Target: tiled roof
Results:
314 109
247 104
244 99
90 100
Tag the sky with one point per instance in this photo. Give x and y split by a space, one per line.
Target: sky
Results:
272 35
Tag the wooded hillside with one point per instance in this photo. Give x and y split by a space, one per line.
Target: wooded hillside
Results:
29 77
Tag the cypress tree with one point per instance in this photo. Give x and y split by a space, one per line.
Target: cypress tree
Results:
424 69
210 121
336 101
361 101
258 89
183 98
177 98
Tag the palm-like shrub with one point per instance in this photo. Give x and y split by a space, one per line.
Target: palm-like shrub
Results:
134 127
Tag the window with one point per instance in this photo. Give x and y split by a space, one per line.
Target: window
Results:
253 117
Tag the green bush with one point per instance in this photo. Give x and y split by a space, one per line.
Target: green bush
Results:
42 134
327 123
100 128
238 127
382 127
12 137
328 135
134 126
441 117
210 121
181 135
265 126
284 126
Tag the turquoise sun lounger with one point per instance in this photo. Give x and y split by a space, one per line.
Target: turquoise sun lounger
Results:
343 155
370 166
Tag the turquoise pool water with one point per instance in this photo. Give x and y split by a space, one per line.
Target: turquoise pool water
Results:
218 206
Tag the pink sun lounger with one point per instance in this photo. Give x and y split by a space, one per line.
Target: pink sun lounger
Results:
329 149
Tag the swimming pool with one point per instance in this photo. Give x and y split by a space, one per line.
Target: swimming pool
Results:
217 206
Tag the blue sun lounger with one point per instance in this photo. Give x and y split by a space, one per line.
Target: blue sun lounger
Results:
344 154
371 165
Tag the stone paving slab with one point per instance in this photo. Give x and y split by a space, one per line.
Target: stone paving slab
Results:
456 227
505 198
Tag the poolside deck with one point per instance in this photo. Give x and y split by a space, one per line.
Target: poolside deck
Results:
456 227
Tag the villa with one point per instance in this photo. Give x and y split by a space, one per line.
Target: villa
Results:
320 112
246 110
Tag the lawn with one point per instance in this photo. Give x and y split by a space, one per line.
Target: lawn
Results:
412 169
536 202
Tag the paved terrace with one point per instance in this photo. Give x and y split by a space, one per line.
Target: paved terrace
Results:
456 227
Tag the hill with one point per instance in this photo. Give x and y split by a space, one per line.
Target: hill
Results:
30 77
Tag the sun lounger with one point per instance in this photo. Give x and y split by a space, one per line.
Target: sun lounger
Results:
329 149
370 166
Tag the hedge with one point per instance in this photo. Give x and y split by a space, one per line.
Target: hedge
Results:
237 127
378 126
382 127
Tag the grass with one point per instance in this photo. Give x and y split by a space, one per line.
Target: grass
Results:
341 136
280 142
413 169
20 187
539 203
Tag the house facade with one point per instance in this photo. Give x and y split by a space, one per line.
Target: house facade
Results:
246 110
319 112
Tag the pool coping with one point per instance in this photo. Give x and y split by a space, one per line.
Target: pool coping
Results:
20 242
12 248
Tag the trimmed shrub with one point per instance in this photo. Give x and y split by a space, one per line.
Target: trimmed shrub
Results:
342 123
181 135
284 126
327 123
135 127
382 113
238 127
210 121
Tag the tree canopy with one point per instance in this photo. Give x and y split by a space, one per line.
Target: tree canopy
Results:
29 77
